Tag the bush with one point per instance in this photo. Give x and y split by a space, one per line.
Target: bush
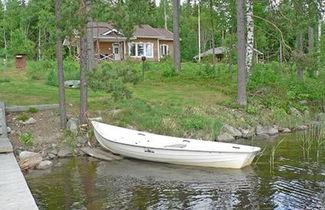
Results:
39 70
113 80
71 72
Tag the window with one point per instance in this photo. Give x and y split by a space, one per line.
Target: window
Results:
140 49
163 49
149 50
132 50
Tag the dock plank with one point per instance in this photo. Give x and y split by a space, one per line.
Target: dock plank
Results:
14 191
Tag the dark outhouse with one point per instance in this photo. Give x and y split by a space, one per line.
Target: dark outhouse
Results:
20 61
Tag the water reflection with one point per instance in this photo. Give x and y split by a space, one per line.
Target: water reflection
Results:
86 183
160 186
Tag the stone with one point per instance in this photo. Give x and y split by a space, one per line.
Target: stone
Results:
8 130
306 113
247 133
302 127
51 156
64 152
81 140
260 130
115 111
272 131
29 121
72 125
286 130
72 83
261 137
303 102
45 164
100 119
295 112
320 117
232 131
28 160
225 137
53 151
27 154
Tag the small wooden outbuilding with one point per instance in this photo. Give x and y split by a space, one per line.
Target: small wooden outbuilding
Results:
20 61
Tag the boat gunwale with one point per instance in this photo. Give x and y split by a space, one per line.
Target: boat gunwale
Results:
256 149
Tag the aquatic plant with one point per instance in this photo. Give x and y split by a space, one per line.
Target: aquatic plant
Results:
312 140
272 154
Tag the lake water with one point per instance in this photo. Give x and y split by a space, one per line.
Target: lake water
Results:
295 181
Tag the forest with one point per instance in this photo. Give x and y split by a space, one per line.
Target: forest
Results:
275 57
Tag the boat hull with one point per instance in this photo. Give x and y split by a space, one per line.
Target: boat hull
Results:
181 157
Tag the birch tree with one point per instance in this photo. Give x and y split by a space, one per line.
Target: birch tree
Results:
250 36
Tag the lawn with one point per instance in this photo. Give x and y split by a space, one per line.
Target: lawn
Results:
193 103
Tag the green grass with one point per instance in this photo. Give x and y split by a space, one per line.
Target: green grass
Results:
193 103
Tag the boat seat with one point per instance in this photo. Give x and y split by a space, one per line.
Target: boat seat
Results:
177 145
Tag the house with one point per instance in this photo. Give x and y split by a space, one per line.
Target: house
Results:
111 44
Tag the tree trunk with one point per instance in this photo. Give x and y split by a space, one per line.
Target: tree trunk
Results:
319 35
84 66
177 53
241 54
300 52
59 58
165 14
280 53
90 39
199 29
213 34
250 36
83 80
39 56
310 40
5 43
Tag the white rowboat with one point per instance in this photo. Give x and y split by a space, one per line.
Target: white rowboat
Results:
166 149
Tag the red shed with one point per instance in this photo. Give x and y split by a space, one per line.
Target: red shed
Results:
20 61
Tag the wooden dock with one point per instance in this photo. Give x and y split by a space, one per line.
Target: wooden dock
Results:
14 191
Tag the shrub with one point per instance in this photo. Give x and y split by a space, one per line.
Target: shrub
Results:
114 80
71 72
32 110
23 117
3 80
39 70
26 139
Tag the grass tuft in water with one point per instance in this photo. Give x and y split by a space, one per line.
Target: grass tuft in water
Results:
312 140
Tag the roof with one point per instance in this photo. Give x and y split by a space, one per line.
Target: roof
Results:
220 50
217 51
102 30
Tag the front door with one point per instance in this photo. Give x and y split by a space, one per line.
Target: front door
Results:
117 51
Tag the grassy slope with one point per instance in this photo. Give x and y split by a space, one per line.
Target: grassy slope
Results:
182 105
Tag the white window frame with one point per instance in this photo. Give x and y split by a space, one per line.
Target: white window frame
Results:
144 49
162 52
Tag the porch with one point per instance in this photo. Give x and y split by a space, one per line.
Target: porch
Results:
110 50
